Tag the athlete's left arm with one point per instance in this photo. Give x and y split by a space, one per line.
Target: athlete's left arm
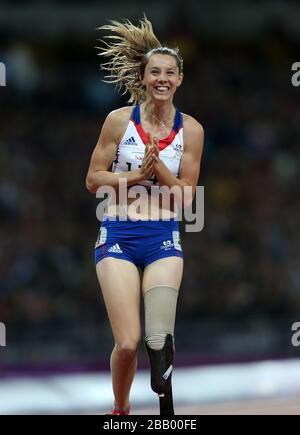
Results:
190 161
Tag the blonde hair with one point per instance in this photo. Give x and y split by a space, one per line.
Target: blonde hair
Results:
129 52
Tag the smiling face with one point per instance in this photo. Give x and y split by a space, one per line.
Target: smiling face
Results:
161 77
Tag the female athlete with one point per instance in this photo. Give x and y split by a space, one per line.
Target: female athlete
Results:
150 148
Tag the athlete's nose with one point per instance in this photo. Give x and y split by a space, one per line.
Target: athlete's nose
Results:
162 78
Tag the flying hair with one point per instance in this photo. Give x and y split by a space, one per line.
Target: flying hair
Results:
129 50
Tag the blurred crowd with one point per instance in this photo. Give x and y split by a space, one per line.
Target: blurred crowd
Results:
241 271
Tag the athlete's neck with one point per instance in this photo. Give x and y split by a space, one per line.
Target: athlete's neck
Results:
161 115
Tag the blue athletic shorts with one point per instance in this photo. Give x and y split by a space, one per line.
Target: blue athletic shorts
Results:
138 241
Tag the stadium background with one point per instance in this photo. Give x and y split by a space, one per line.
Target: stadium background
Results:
240 291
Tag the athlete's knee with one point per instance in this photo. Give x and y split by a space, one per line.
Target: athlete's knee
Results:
128 348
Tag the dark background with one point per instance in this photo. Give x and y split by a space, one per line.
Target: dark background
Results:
240 292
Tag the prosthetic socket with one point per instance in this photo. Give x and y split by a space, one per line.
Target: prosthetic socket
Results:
160 310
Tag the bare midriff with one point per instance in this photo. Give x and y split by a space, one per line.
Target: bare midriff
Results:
145 206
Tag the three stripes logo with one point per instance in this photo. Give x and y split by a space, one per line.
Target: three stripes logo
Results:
130 141
116 249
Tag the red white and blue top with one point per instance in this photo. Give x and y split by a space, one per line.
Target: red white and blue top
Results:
131 149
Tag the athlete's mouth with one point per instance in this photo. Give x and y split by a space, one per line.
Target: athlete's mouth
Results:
162 88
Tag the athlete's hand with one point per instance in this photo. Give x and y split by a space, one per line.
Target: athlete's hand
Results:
153 146
150 157
146 169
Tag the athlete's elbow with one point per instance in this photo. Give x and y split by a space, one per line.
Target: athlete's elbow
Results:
188 191
90 183
186 203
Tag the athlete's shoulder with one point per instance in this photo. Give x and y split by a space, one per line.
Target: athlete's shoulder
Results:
121 114
117 120
193 133
191 125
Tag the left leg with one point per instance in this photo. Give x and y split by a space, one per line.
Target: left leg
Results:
165 271
161 282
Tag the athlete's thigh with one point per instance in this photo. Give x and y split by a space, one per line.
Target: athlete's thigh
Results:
120 284
165 271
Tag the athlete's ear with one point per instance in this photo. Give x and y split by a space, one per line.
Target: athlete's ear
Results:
141 79
180 79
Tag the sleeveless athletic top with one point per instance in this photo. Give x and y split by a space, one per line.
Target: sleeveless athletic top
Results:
131 149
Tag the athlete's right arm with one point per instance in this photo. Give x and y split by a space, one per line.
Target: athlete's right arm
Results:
104 154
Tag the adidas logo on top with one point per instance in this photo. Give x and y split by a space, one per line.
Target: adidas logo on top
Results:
130 141
116 249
